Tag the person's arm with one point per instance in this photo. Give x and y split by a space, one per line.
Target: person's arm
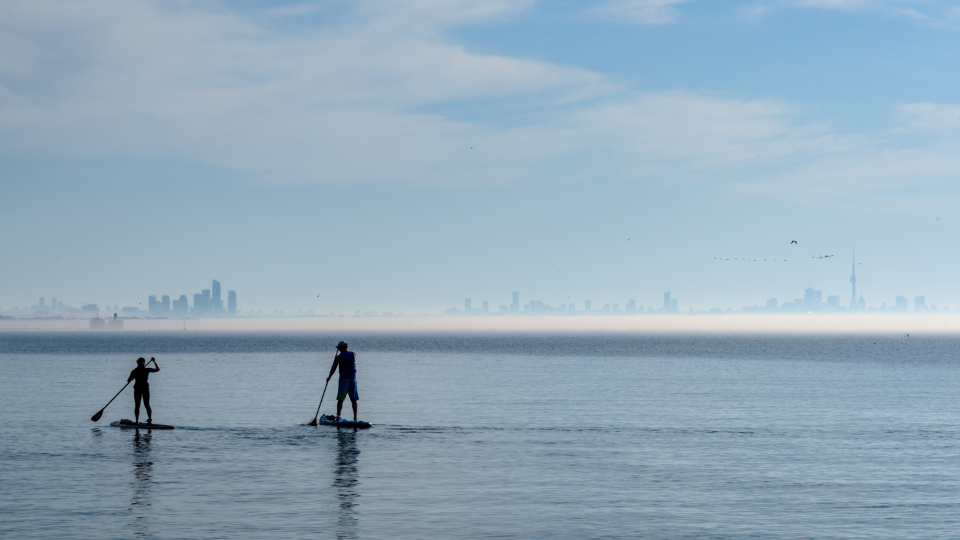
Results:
130 378
333 368
156 365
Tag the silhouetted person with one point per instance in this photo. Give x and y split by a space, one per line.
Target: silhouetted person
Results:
347 361
141 388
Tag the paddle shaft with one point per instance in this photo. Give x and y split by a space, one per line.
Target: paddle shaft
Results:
314 422
100 412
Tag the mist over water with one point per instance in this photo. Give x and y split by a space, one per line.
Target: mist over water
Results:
515 436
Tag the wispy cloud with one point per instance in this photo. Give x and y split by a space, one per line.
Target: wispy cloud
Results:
929 118
638 11
357 102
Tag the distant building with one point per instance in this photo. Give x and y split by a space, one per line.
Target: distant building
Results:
616 308
674 305
901 304
232 303
586 306
811 299
853 283
515 305
466 305
89 308
920 304
115 323
503 308
181 307
772 304
43 302
666 301
216 304
486 306
631 306
833 302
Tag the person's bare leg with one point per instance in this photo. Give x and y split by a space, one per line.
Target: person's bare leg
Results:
339 407
146 404
354 403
136 410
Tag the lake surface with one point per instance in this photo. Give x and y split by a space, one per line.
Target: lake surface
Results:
484 436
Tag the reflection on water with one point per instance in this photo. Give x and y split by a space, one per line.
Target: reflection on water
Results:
345 481
142 474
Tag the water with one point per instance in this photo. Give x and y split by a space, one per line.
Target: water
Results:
480 436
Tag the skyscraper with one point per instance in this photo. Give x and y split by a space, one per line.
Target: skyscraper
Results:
853 282
466 305
215 302
666 301
181 306
486 306
515 305
232 303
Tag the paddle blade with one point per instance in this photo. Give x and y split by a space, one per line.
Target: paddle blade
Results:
97 416
313 423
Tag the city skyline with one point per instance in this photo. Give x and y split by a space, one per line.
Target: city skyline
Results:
209 303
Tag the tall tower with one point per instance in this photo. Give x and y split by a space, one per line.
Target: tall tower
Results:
853 282
217 303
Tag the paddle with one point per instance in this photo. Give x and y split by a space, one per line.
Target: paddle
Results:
100 412
314 422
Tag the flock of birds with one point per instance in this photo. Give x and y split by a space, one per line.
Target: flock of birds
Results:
776 260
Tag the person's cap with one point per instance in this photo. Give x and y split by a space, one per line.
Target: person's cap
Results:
341 345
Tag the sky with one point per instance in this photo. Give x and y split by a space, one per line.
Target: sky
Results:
404 155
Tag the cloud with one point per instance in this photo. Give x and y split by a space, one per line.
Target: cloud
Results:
108 78
929 118
360 101
935 13
638 11
840 4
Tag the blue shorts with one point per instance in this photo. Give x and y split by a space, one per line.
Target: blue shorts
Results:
348 386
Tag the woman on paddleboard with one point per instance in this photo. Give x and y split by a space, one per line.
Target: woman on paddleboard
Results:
141 388
347 361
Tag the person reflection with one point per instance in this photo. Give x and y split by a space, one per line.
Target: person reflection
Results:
142 475
345 482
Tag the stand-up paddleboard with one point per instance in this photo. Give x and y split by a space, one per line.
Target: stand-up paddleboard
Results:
340 422
130 424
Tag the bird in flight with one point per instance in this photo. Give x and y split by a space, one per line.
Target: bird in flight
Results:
793 242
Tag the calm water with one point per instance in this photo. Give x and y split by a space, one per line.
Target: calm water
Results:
485 436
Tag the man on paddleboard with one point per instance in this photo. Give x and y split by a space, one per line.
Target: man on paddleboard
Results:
141 388
347 361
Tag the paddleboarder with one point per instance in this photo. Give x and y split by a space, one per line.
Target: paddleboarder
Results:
141 388
347 362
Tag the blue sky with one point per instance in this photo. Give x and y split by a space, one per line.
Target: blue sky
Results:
400 156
